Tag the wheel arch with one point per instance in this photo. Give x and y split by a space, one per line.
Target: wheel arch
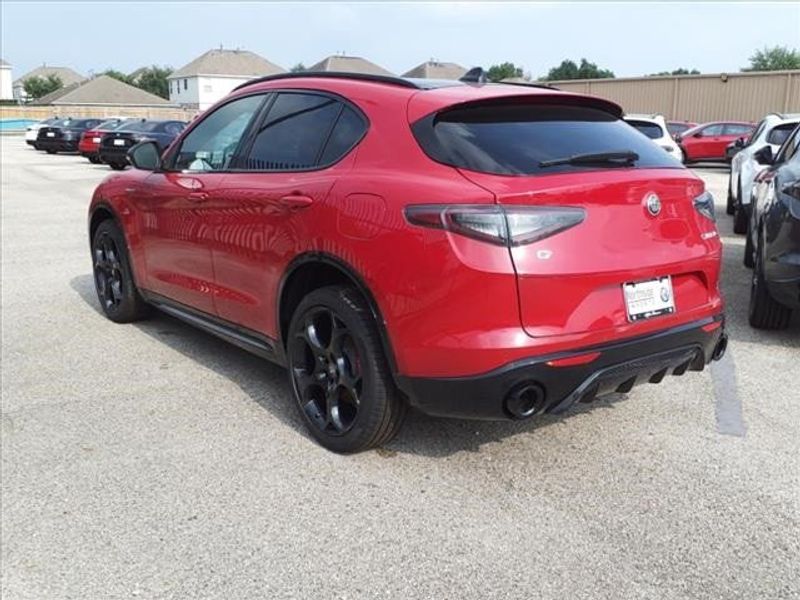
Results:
102 212
313 270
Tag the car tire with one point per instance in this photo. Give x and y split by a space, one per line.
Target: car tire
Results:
339 374
739 213
749 251
730 208
764 312
94 160
113 278
49 151
117 166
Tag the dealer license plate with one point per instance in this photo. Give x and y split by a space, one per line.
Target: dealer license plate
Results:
119 142
647 299
51 134
97 140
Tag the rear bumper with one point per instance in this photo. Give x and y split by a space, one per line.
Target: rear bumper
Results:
554 383
113 155
59 145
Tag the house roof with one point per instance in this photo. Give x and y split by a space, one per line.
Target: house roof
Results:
102 90
235 63
4 63
349 64
65 74
434 69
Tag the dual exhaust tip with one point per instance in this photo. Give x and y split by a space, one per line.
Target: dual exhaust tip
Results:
721 347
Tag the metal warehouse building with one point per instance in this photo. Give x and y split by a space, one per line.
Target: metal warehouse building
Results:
700 98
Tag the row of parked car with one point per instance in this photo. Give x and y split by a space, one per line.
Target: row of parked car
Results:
692 142
100 140
764 200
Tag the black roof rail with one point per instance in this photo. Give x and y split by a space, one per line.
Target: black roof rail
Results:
544 86
474 75
388 79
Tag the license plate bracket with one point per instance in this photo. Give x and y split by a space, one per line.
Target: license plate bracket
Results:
649 298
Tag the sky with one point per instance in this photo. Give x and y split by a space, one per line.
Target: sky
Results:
631 39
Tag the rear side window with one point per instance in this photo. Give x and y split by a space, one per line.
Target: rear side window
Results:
736 129
676 128
516 138
650 129
780 134
294 133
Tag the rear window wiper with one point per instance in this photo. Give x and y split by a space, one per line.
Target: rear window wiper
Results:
622 158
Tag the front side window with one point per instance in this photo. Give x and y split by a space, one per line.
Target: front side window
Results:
211 145
293 135
711 131
780 133
532 138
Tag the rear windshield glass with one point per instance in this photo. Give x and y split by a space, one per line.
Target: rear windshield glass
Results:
780 134
142 126
651 130
515 138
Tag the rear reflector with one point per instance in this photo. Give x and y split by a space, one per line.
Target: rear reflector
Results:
712 326
572 361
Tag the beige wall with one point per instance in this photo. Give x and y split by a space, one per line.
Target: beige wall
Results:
700 98
43 112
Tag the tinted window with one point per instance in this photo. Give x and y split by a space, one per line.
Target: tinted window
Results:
780 134
174 128
651 130
293 134
756 132
213 142
514 138
346 134
711 130
790 147
734 129
676 128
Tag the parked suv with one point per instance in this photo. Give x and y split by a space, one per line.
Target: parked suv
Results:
485 251
709 141
655 127
772 245
773 130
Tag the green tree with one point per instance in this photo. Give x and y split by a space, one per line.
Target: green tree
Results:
585 70
117 75
680 71
777 58
154 80
37 87
298 68
506 70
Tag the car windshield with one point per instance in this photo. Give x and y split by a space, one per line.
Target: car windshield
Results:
780 134
513 138
110 125
650 129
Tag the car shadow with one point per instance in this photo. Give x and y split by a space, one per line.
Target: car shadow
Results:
268 385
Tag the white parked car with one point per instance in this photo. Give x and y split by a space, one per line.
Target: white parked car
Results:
655 127
772 131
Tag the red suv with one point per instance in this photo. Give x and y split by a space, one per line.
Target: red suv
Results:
487 251
710 140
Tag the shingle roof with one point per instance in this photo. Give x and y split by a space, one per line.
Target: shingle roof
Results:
241 63
65 74
434 69
102 90
349 64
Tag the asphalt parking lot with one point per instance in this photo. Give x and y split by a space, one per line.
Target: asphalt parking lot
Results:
155 461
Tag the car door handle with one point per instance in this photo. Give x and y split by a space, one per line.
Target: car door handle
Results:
197 196
295 201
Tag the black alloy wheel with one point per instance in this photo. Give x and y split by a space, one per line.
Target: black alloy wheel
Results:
108 272
340 377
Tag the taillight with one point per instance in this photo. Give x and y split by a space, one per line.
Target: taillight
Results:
704 204
504 226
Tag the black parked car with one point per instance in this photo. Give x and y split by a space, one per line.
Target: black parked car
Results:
772 247
115 145
63 135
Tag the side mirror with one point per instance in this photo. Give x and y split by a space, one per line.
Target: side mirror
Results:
739 143
764 156
677 137
145 156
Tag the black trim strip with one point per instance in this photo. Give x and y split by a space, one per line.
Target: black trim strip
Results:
242 337
398 81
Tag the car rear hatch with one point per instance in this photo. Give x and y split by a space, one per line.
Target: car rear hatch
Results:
50 133
119 141
613 218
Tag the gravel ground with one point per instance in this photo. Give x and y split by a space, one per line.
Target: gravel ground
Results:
155 461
